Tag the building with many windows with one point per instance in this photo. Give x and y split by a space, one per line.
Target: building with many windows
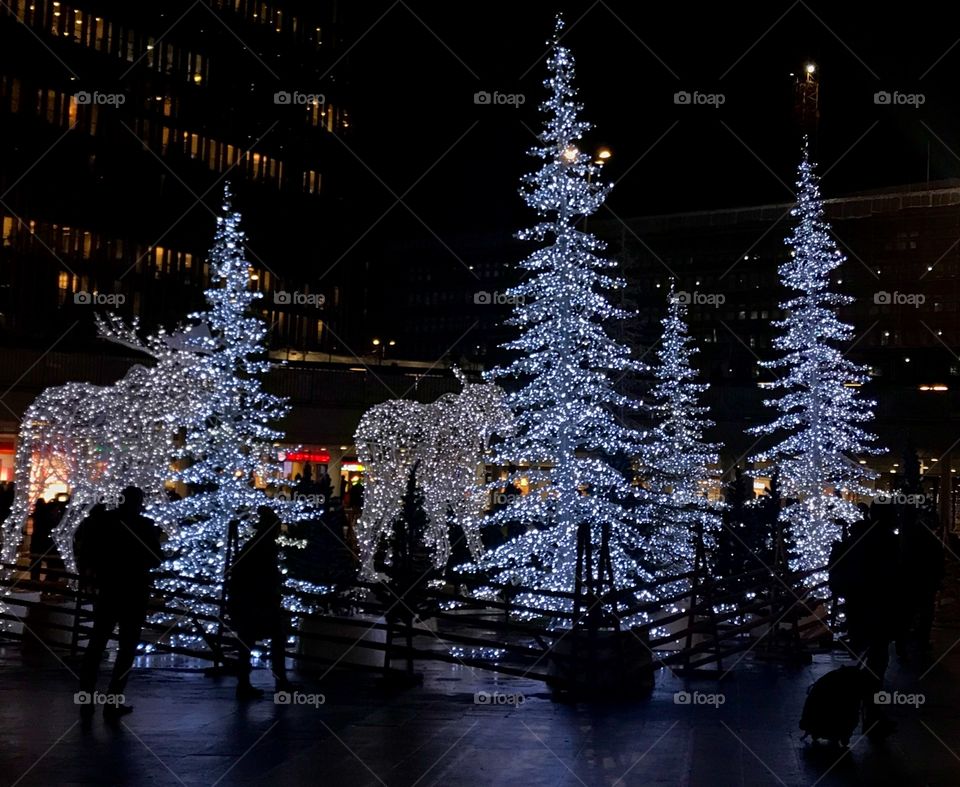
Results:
119 123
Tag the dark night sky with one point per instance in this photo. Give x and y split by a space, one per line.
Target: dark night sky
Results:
412 93
413 98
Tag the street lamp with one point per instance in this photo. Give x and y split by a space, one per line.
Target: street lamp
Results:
601 157
380 348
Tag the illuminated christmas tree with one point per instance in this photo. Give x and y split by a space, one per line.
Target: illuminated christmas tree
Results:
567 365
678 465
234 442
820 408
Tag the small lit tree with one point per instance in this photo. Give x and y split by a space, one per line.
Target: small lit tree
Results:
678 465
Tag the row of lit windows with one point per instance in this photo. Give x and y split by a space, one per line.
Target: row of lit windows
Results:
220 156
327 116
65 241
70 283
159 261
270 16
296 330
73 242
97 33
67 109
63 109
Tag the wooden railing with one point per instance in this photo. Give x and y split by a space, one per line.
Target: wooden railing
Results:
694 630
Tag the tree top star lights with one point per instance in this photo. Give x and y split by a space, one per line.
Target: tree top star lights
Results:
820 407
565 402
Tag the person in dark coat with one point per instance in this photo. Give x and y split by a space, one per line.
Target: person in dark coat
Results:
254 603
120 548
864 570
922 567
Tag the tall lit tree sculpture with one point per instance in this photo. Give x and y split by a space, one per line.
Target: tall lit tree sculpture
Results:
235 441
677 464
821 410
566 369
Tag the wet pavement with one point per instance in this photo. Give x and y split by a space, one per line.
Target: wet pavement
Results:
188 729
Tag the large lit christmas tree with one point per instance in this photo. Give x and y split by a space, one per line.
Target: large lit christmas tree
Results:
235 442
678 466
567 363
820 408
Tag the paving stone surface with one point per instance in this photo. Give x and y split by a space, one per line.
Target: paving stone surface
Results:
188 729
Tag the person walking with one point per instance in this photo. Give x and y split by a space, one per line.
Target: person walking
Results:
254 603
119 548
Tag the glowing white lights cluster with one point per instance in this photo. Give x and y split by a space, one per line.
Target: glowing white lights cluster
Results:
677 464
567 364
235 442
448 438
820 409
96 440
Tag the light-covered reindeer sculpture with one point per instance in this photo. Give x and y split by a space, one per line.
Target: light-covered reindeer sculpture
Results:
448 438
98 439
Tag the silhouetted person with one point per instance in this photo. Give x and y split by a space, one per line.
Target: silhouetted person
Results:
121 547
922 572
356 495
864 570
85 546
324 486
41 541
254 602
